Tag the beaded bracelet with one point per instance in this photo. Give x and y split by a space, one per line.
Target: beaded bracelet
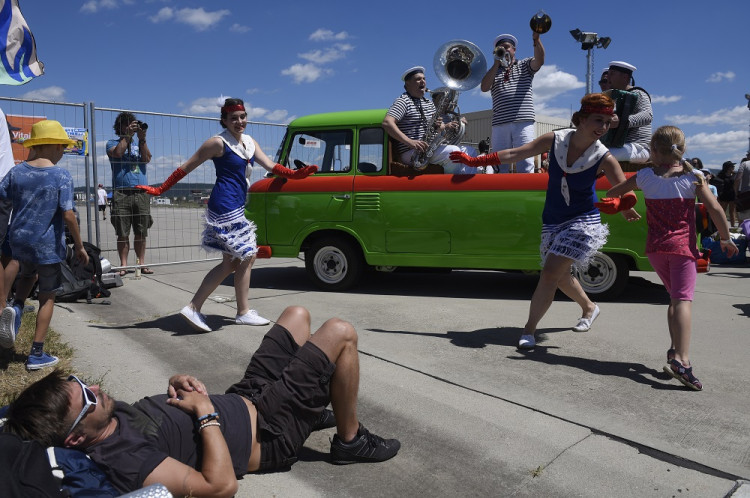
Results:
211 416
212 423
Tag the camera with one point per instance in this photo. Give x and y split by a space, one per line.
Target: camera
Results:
142 125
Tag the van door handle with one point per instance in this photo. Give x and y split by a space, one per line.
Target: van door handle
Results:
345 196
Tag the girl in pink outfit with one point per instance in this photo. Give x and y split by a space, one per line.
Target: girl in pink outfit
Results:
670 188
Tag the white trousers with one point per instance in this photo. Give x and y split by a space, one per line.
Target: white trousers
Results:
510 136
635 153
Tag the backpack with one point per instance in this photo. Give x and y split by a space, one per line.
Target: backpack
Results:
82 280
25 471
77 474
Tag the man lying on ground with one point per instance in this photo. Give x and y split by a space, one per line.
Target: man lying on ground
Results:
197 444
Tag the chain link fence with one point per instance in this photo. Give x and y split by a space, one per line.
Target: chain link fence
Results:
172 138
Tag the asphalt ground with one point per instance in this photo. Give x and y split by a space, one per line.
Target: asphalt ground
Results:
584 414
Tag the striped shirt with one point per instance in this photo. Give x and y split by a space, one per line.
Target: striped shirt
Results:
639 121
412 116
513 100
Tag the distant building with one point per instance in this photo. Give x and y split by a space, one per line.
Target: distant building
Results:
479 126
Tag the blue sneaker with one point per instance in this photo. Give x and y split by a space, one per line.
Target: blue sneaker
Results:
8 328
19 313
35 362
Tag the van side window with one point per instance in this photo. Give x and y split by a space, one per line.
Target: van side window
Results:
331 150
370 150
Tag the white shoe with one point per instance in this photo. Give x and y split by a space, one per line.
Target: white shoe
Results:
7 327
526 342
195 318
251 318
584 324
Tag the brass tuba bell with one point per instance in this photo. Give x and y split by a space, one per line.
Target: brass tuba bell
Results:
459 65
541 22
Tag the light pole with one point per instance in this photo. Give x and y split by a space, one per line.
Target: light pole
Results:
747 96
588 42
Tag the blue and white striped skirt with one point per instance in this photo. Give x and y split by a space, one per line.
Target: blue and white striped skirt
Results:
230 233
578 239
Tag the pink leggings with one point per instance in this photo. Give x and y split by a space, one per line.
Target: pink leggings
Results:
677 273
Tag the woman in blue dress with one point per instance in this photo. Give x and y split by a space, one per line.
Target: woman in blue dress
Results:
227 230
572 231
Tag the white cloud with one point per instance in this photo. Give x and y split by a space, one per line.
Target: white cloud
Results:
254 113
211 106
197 18
326 35
663 99
52 93
305 73
727 143
331 54
278 116
92 6
164 14
239 28
251 91
719 77
204 106
734 116
550 82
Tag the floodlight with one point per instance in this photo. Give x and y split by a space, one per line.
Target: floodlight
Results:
588 42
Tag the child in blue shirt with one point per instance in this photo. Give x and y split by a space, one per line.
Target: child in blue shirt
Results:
42 197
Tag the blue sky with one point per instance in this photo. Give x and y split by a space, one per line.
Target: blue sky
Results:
288 58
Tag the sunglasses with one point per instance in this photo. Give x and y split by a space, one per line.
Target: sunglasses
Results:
603 82
89 400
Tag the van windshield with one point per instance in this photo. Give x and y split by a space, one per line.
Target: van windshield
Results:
331 150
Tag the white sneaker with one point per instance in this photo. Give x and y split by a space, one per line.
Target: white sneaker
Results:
195 319
526 342
251 318
7 327
585 324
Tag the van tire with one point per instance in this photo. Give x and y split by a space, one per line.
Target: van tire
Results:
606 277
334 263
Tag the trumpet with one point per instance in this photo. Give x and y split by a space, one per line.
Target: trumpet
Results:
502 55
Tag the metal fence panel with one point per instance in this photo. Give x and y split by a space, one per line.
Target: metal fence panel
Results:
178 216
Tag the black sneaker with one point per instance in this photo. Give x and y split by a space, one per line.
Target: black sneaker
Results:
366 447
326 421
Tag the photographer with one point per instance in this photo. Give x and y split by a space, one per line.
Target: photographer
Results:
128 155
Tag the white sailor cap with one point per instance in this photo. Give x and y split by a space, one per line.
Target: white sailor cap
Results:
411 72
506 36
623 66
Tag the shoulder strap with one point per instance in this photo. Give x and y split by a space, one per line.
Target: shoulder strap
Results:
643 90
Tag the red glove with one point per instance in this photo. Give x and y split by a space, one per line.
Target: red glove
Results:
297 174
175 177
613 205
485 160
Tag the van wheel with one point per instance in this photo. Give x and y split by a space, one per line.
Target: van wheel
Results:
606 276
334 263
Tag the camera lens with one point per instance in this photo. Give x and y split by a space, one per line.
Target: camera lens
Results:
144 126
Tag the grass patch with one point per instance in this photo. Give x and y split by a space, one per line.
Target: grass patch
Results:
13 375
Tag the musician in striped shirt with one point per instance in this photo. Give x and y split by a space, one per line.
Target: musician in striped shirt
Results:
512 97
638 122
409 117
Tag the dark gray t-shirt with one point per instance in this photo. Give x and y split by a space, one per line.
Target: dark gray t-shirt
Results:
151 430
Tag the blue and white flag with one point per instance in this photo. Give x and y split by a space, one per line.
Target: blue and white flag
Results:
18 50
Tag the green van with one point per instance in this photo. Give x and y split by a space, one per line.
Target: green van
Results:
363 211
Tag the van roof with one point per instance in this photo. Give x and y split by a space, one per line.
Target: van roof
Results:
348 118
